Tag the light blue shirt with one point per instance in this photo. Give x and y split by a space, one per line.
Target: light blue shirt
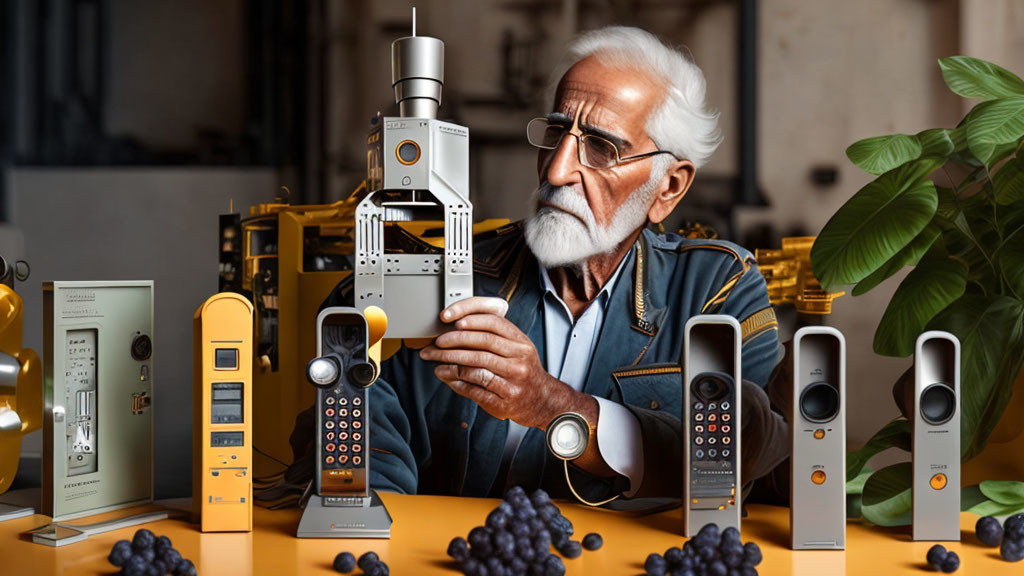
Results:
569 348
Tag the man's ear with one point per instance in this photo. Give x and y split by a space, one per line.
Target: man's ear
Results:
671 190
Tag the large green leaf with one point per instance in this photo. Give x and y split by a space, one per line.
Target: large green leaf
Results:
895 434
936 142
1008 492
991 334
883 153
887 496
909 256
993 124
971 496
931 286
993 508
875 224
974 78
1009 181
1011 262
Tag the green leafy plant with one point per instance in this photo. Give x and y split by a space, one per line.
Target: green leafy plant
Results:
949 203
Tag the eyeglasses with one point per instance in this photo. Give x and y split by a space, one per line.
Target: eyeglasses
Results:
594 151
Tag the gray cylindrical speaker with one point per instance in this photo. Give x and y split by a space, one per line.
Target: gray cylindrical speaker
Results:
417 74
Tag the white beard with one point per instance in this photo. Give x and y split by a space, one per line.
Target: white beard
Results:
570 236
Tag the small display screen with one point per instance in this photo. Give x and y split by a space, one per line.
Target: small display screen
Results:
218 439
227 403
226 359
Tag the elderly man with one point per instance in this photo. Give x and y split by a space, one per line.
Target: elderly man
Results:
580 308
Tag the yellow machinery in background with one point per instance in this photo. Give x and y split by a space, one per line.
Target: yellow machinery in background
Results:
222 416
791 280
287 259
21 386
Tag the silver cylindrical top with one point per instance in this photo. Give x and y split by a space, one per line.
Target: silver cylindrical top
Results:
417 74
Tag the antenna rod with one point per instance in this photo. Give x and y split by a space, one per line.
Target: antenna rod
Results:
413 21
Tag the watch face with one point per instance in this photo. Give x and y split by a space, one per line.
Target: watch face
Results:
568 435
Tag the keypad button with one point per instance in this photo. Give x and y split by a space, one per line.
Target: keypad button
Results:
698 429
329 412
727 440
698 417
357 447
343 402
712 440
357 437
357 424
712 417
329 460
698 406
357 413
343 412
726 417
343 448
726 453
342 436
726 406
726 428
699 454
713 453
329 401
357 401
342 459
330 447
357 460
698 440
329 425
712 406
712 427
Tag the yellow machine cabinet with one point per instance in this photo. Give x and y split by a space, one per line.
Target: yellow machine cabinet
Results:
222 467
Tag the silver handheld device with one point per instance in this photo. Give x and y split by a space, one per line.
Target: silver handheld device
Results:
711 404
818 434
936 437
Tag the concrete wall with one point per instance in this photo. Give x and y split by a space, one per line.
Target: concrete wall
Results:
134 224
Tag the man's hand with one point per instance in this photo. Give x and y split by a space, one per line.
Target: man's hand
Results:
489 360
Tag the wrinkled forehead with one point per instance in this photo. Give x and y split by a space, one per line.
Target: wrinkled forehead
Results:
615 99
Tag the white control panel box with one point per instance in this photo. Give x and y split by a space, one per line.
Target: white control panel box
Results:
98 389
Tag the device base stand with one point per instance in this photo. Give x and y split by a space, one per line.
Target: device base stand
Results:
319 521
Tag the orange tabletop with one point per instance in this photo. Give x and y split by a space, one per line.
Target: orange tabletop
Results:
425 524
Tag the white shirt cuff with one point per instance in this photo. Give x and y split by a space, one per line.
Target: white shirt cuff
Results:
620 442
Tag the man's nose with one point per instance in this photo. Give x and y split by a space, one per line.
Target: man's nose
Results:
563 165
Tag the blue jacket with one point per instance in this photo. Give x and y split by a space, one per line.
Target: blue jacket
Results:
425 438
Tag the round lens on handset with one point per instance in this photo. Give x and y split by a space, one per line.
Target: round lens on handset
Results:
323 372
710 386
938 403
819 402
362 374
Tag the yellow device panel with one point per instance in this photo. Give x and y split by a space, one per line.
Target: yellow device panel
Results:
222 467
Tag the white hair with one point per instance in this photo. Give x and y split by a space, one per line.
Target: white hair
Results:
682 123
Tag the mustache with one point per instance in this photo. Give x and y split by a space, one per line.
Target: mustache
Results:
564 198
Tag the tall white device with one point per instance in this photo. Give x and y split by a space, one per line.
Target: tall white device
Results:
712 383
936 437
818 434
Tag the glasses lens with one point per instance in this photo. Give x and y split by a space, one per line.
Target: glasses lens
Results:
544 135
598 152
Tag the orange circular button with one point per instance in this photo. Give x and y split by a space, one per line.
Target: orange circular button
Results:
938 481
818 477
819 433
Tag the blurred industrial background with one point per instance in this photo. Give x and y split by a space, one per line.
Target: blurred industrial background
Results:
127 126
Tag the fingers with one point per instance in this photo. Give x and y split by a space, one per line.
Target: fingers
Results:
471 358
485 397
474 305
491 323
474 340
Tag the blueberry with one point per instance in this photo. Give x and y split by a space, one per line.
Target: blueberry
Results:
654 565
170 556
153 570
593 541
471 566
142 540
710 532
731 534
558 539
494 566
458 549
1014 527
160 567
345 562
367 559
148 554
521 503
519 565
553 566
707 554
514 492
727 548
520 529
718 568
733 560
185 568
951 563
497 520
748 571
542 541
377 569
120 553
936 555
162 542
479 537
752 553
540 498
989 531
1011 550
571 549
